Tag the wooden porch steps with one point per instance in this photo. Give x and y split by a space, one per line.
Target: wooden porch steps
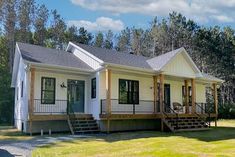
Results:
83 124
185 124
194 129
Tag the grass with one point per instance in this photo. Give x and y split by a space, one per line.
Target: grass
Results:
215 142
9 133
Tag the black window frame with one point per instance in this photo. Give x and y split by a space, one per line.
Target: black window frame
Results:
93 88
130 92
54 90
22 89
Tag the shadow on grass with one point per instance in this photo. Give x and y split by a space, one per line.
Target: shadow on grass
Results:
214 134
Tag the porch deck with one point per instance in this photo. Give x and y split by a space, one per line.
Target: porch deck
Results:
145 109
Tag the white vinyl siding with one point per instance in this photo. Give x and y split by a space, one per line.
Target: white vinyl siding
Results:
179 67
87 59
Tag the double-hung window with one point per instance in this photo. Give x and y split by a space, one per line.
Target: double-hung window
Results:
47 90
128 91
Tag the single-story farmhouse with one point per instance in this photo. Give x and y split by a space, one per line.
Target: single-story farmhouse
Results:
88 89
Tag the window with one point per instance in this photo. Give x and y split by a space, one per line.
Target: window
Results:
184 95
128 92
17 90
22 88
48 90
93 88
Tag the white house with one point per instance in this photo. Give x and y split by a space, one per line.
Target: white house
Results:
86 89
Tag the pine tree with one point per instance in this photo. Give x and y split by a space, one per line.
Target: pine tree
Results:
9 27
108 43
41 18
124 41
72 34
99 40
57 31
25 17
84 37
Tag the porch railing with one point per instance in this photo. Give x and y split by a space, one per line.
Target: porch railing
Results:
168 110
59 107
207 109
143 107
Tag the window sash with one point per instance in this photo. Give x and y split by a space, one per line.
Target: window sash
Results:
48 93
22 88
128 91
93 88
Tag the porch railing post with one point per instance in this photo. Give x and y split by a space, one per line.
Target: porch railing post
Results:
215 102
101 105
133 108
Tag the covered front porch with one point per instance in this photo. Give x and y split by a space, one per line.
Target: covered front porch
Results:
171 97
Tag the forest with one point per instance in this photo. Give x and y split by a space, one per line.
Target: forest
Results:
211 48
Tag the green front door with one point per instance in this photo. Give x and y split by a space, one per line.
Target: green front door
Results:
167 97
76 94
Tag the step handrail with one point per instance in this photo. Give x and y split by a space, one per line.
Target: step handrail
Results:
201 117
175 113
70 113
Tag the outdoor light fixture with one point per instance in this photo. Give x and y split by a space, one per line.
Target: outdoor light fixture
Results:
63 85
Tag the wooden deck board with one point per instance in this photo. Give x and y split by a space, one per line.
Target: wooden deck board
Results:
147 116
113 116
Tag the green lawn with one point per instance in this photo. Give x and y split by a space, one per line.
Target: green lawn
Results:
9 133
215 142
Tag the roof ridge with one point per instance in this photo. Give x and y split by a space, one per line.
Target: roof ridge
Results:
101 48
168 52
39 46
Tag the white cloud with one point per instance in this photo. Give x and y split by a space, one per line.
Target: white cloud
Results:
199 10
223 18
101 24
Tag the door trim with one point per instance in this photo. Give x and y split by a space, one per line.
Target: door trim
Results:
84 94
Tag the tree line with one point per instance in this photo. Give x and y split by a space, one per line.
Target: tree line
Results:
211 48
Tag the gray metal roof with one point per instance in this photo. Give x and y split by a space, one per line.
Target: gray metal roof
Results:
50 56
211 78
115 57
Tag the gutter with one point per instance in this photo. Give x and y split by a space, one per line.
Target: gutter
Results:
105 64
58 67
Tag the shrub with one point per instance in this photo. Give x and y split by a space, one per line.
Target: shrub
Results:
226 111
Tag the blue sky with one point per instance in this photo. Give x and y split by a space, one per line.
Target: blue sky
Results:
102 15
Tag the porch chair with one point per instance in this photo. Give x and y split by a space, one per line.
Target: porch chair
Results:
177 107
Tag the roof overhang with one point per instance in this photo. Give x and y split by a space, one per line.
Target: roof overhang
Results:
107 65
72 45
15 66
52 66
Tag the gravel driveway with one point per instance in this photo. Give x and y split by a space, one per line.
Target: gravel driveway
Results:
13 148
